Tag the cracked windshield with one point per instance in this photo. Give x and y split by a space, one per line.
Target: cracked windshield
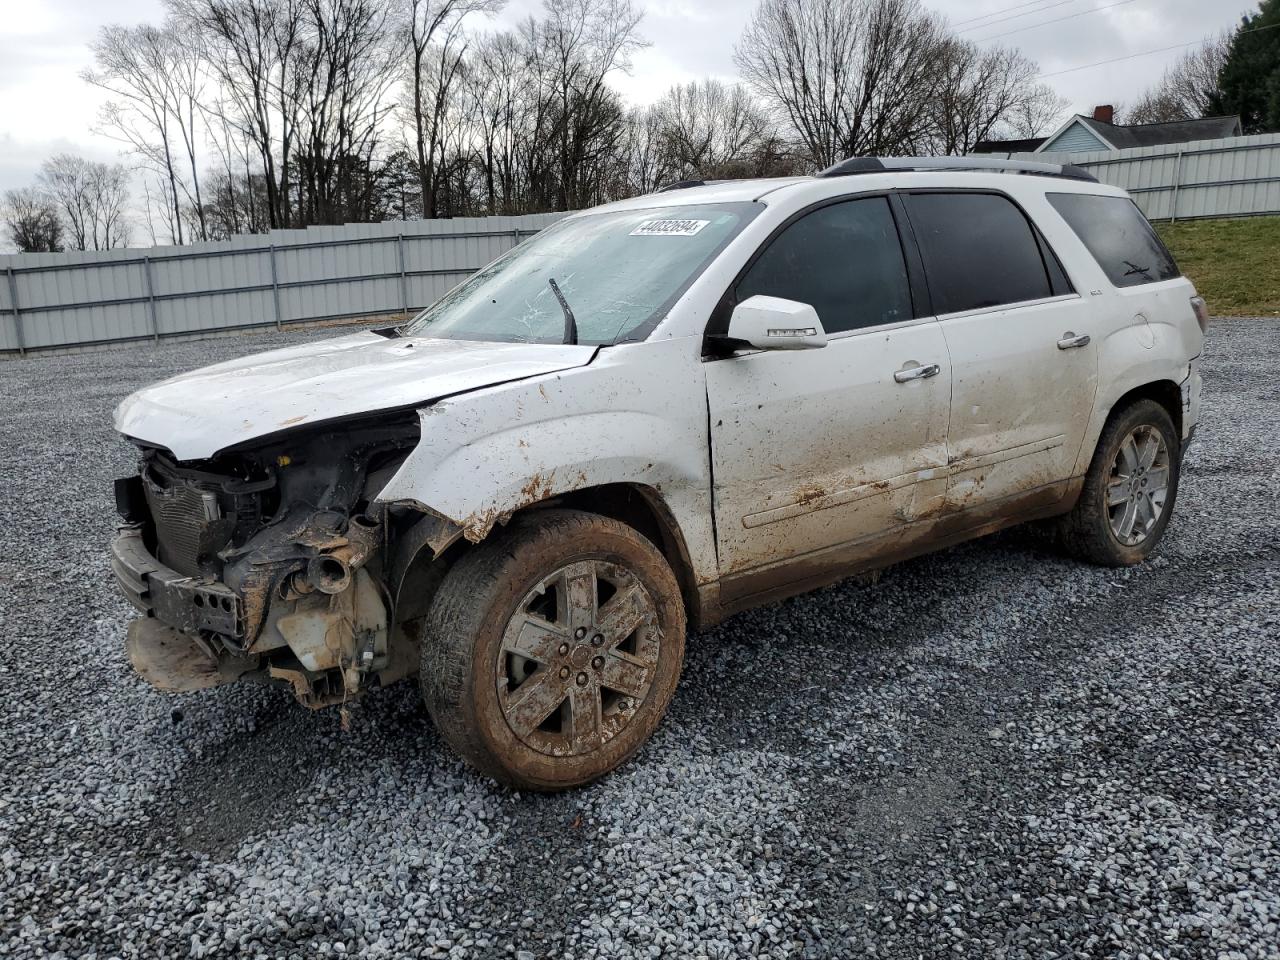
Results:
618 273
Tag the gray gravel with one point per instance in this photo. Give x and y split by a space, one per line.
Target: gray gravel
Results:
993 752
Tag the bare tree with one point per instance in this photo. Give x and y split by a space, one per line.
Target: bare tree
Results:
66 181
306 85
341 106
31 221
433 30
978 90
1186 88
499 96
295 103
574 50
849 77
108 203
156 79
257 52
712 129
238 201
1035 115
650 163
92 199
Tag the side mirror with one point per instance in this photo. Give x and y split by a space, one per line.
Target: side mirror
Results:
772 323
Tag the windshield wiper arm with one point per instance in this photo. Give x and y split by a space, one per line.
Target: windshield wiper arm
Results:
570 325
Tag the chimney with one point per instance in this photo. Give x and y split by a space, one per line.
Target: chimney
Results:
1104 113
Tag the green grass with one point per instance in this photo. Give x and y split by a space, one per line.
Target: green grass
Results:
1235 264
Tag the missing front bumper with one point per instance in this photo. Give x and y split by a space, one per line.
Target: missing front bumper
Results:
179 601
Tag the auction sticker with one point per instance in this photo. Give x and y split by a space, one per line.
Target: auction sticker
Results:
669 228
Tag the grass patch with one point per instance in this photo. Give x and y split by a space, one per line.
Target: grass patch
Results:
1235 264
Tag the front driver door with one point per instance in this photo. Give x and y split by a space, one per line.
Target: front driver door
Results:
815 450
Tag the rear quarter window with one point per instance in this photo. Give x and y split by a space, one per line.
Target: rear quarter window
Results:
1114 230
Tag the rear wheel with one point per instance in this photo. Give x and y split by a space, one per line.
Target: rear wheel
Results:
1129 490
551 651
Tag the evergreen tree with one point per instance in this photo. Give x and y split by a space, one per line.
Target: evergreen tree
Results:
1250 80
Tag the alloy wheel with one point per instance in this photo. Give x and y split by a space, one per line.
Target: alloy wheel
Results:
1138 485
578 658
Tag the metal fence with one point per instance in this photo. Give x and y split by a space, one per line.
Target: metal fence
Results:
1235 177
59 300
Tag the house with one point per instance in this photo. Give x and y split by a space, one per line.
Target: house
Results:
1083 134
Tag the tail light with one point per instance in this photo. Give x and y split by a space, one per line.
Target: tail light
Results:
1201 311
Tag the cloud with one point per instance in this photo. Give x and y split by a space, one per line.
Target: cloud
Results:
45 107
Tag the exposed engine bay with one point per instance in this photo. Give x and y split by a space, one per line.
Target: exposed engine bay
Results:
275 561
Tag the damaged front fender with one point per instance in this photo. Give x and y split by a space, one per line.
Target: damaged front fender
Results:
637 416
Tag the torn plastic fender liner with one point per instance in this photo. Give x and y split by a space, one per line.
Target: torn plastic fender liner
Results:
176 661
430 532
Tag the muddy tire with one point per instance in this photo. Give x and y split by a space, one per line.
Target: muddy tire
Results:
551 651
1129 491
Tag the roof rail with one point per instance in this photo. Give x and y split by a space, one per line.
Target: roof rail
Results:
857 165
682 184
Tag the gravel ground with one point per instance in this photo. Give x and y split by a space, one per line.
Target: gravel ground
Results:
993 752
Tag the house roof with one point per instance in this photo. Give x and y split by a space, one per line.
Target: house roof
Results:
1122 136
1147 135
1026 145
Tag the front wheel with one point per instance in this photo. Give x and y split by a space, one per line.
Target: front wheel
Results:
552 650
1129 490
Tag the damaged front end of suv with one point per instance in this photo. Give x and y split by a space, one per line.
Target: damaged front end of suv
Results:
273 560
279 526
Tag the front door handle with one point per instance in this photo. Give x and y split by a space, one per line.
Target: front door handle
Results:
1070 341
917 373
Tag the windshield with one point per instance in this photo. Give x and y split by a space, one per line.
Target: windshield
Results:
619 274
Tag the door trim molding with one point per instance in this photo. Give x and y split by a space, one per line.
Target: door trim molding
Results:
741 589
821 500
965 464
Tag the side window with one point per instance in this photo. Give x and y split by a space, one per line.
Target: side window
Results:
978 249
845 260
1119 237
1058 281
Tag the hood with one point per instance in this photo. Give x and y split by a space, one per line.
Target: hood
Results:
197 414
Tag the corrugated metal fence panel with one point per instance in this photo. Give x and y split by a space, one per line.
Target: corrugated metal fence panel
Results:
287 276
8 317
350 298
83 302
1234 177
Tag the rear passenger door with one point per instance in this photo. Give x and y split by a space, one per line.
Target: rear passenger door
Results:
1023 357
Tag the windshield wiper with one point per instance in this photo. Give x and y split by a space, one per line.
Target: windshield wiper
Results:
570 325
1134 268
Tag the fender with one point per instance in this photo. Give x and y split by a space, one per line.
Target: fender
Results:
637 414
1132 356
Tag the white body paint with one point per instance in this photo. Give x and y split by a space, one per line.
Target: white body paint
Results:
197 414
763 458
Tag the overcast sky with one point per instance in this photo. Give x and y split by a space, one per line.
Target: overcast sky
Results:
45 108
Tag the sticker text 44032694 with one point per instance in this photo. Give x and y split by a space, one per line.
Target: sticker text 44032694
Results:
669 228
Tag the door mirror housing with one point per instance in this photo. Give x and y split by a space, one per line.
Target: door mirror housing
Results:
772 323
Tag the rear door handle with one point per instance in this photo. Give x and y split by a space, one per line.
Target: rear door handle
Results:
917 373
1070 340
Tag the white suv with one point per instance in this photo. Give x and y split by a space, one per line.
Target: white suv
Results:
650 416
